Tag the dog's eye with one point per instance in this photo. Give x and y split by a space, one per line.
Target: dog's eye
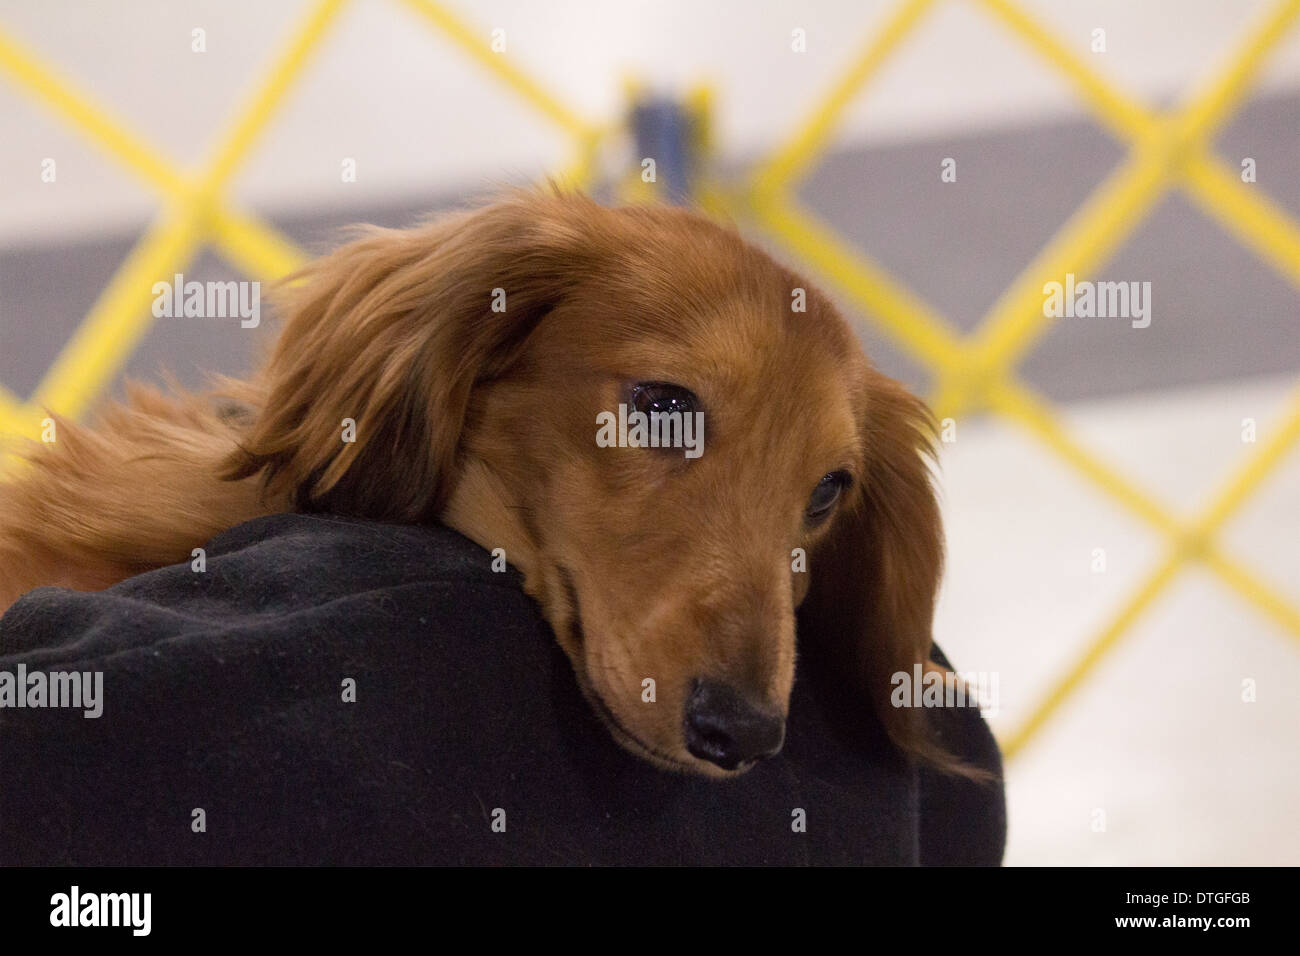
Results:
662 398
825 495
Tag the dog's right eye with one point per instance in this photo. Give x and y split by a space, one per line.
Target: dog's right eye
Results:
825 495
662 398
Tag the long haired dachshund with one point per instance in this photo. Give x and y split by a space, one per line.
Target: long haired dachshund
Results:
476 358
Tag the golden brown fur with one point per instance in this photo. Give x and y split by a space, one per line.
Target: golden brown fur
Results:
646 564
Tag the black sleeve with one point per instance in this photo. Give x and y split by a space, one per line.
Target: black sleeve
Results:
339 691
963 822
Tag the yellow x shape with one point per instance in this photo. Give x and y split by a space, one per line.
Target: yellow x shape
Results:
978 371
195 210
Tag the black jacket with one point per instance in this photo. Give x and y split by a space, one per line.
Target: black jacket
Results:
223 692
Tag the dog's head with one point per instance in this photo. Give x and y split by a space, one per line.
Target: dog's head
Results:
496 365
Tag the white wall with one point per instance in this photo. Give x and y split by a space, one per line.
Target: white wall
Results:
419 117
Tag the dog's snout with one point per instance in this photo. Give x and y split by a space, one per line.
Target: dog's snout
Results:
726 728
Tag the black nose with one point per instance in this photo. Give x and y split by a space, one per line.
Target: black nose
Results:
725 728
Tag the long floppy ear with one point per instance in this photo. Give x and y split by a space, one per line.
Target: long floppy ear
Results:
874 578
392 331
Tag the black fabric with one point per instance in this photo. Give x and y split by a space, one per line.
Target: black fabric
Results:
223 691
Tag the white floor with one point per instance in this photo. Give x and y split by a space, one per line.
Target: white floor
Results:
1158 739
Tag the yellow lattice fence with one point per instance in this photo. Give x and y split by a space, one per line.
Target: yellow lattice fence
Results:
976 372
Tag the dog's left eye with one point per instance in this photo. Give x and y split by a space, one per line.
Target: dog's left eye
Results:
661 398
825 495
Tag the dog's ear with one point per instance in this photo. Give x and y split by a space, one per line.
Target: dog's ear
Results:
875 576
391 332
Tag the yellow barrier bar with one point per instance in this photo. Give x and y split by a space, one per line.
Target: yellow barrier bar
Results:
717 201
1088 238
120 316
88 118
1016 402
791 161
1255 591
92 120
1129 120
1256 469
1246 211
1093 655
117 321
1208 110
253 249
1249 586
947 399
24 422
474 44
581 171
908 320
1016 319
1121 115
11 411
1019 404
253 118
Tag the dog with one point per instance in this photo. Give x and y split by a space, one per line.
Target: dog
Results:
476 357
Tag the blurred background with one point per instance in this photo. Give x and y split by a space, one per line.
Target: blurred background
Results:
1122 504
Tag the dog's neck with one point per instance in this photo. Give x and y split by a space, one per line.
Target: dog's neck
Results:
482 509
